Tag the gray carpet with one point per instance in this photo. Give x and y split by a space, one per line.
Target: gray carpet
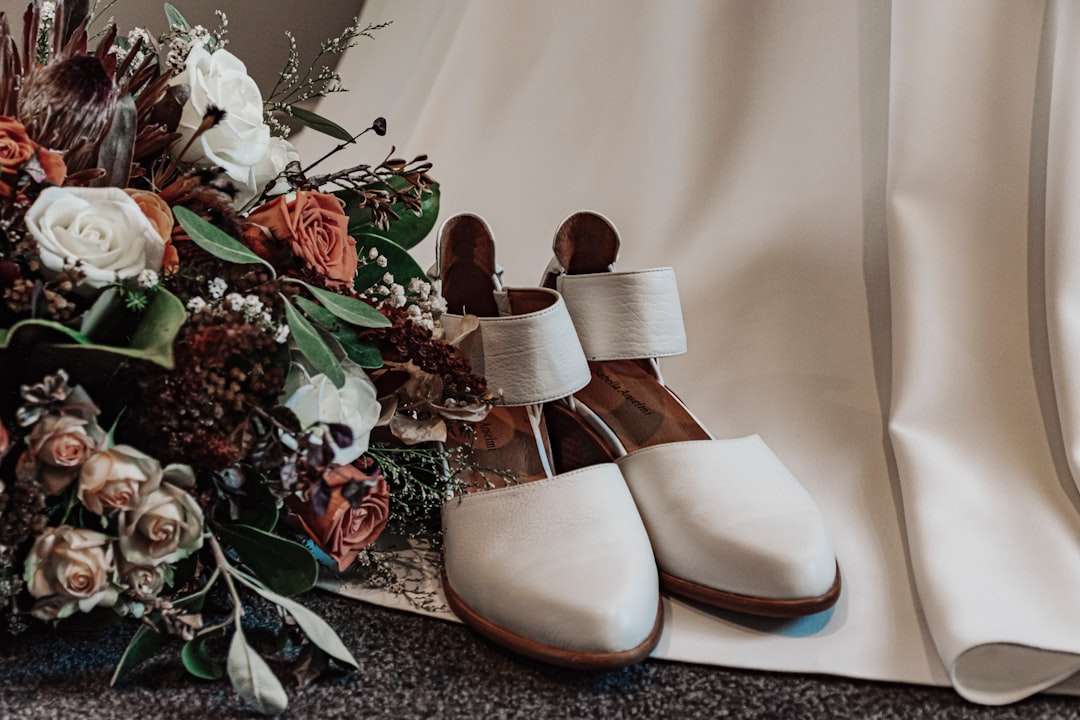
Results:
416 667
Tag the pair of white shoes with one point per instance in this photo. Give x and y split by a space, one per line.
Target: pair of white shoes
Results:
619 490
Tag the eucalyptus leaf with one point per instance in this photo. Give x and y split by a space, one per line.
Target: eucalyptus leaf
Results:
253 679
364 354
409 229
197 660
317 629
313 347
282 565
318 314
216 241
353 311
118 146
176 20
320 124
399 263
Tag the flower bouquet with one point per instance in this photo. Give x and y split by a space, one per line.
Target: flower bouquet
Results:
217 367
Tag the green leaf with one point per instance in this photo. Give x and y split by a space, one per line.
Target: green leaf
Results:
257 507
364 354
197 660
284 566
253 679
160 323
144 644
176 20
353 311
97 316
118 146
409 229
152 340
324 125
148 639
318 314
25 326
216 241
317 629
311 344
399 262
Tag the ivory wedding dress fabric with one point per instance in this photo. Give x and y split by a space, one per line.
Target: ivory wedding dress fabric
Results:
874 213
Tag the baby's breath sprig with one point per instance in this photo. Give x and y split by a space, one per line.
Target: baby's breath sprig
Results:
319 80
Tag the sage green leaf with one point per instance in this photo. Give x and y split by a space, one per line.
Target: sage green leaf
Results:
97 316
253 679
282 565
144 644
216 241
148 639
353 311
364 354
47 342
197 660
118 146
160 323
28 327
318 314
317 629
320 124
176 20
409 229
399 263
311 344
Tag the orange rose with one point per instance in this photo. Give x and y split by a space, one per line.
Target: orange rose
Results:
317 228
158 212
16 149
343 531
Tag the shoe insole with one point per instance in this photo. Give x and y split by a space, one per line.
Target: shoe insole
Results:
637 408
502 441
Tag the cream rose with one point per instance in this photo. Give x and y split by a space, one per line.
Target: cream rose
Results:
240 142
70 568
143 582
102 229
166 525
116 479
58 446
317 400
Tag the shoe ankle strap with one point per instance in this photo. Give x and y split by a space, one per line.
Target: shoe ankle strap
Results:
530 353
625 315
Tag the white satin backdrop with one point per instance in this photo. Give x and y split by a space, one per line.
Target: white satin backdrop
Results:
870 207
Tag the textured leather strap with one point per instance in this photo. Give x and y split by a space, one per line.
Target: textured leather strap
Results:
530 357
625 315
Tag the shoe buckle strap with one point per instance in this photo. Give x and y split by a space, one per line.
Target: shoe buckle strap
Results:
625 315
530 358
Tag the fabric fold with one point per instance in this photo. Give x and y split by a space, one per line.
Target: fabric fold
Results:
994 540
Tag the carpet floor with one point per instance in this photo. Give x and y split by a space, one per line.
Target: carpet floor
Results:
417 667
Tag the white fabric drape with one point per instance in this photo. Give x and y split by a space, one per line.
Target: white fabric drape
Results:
874 212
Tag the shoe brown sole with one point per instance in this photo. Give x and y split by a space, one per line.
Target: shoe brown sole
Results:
574 659
750 605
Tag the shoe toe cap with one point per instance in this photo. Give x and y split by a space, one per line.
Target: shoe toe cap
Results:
563 562
728 515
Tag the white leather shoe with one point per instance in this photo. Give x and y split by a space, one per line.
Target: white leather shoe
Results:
730 526
556 565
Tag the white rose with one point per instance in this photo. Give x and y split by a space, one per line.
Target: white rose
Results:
241 141
318 400
281 153
103 228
